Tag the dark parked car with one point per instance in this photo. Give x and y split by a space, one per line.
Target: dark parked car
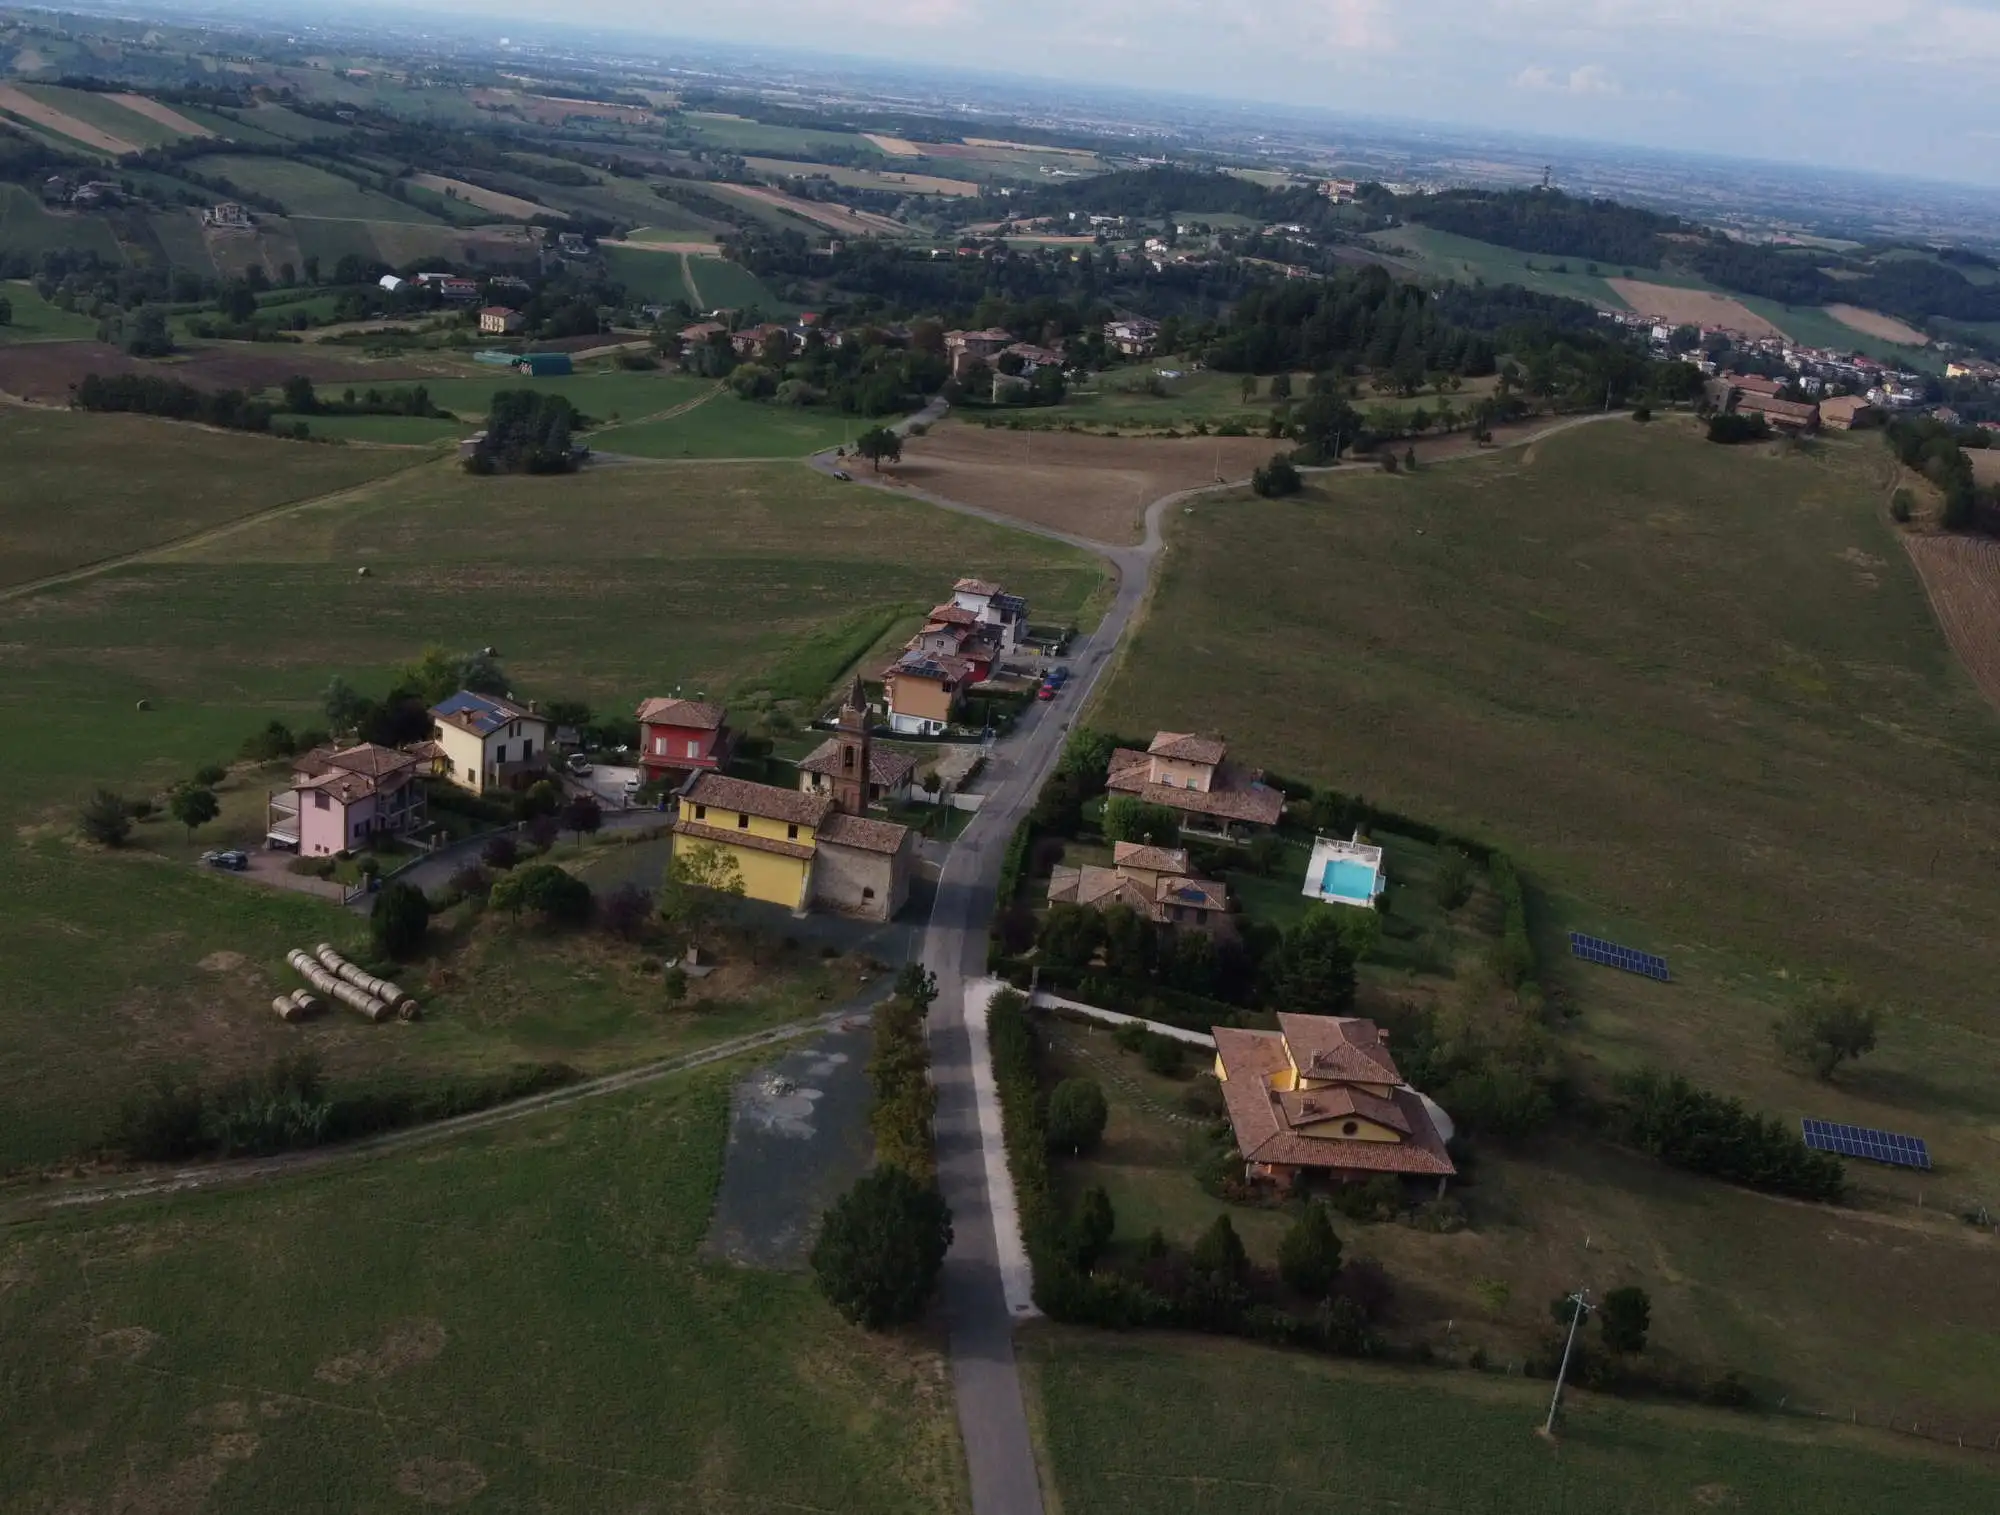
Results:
233 860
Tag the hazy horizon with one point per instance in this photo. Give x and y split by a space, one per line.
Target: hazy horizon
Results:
1889 86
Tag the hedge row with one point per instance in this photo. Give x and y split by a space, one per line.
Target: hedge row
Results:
1514 955
905 1098
1667 1117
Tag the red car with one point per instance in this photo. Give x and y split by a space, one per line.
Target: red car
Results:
1046 692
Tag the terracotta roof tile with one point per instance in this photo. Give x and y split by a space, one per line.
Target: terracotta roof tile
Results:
1339 1046
976 586
863 833
1157 859
1234 794
1188 748
692 714
793 806
729 836
887 767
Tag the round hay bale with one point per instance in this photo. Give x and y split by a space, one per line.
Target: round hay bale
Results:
143 705
362 572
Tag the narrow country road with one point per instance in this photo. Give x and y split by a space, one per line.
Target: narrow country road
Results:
992 1413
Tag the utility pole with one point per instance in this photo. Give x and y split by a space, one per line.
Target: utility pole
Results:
1581 1301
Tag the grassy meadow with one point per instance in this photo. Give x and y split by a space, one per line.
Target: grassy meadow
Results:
35 320
726 427
305 190
608 586
518 1317
1698 692
1282 1432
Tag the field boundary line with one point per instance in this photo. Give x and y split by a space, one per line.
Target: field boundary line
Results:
231 1173
209 534
687 278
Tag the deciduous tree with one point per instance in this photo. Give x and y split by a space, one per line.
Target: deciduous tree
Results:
880 1248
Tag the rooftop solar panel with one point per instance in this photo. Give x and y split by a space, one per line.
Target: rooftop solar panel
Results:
1890 1147
1596 950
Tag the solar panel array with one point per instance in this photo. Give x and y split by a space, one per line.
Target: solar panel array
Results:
1860 1141
1594 949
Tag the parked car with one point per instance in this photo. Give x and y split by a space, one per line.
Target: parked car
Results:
633 785
1059 675
843 475
231 859
1046 692
578 764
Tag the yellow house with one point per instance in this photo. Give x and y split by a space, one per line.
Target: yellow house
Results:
486 742
1322 1094
770 832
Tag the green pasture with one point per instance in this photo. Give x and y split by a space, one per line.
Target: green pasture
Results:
521 1316
35 320
726 427
26 227
307 191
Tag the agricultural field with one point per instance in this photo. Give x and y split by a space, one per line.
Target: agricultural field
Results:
1961 574
1676 681
35 320
72 116
1818 327
1872 323
865 178
25 227
1693 307
306 191
738 134
392 431
1095 487
726 427
491 200
66 506
717 284
836 218
1284 1431
603 396
606 586
488 1320
655 277
1438 254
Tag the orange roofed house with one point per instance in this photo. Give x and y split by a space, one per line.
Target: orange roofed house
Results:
1321 1095
1155 881
1193 775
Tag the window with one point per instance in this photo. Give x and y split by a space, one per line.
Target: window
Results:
847 758
701 812
742 822
694 749
361 828
659 746
320 800
868 894
527 749
500 754
1348 1128
791 833
471 773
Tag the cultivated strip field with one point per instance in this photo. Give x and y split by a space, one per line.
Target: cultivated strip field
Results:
864 178
895 147
165 115
486 199
1692 307
855 223
1962 577
1872 323
17 100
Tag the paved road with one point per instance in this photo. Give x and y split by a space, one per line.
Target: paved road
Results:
992 1416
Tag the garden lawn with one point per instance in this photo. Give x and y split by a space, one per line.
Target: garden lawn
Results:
518 1315
70 501
609 586
1277 1431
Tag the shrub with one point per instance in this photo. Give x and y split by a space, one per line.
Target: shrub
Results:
470 882
542 832
1730 429
1624 1318
1377 1199
1077 1114
538 799
1091 1228
1514 953
1165 1055
1642 413
559 898
210 774
1685 1127
273 742
1314 970
1275 478
1309 1255
1451 884
162 1125
282 1111
105 819
399 921
1265 854
674 984
1129 819
1902 506
880 1248
501 852
626 911
1219 1252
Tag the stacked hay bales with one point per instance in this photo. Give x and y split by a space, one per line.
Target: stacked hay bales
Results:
296 1006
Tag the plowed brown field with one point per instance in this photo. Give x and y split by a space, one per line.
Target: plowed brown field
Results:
46 371
1962 577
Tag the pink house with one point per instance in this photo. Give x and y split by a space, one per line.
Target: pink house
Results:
341 798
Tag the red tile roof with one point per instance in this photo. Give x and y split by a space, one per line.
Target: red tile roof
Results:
1158 859
691 714
886 767
793 806
863 833
729 836
1188 749
1339 1046
1234 794
1265 1119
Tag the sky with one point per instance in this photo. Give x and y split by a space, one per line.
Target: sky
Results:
1889 85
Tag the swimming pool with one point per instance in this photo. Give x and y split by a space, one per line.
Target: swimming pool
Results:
1348 880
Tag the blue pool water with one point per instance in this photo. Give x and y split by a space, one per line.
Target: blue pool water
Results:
1348 880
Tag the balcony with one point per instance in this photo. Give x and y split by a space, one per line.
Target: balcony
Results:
281 821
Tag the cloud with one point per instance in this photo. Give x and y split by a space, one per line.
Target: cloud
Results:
1589 79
